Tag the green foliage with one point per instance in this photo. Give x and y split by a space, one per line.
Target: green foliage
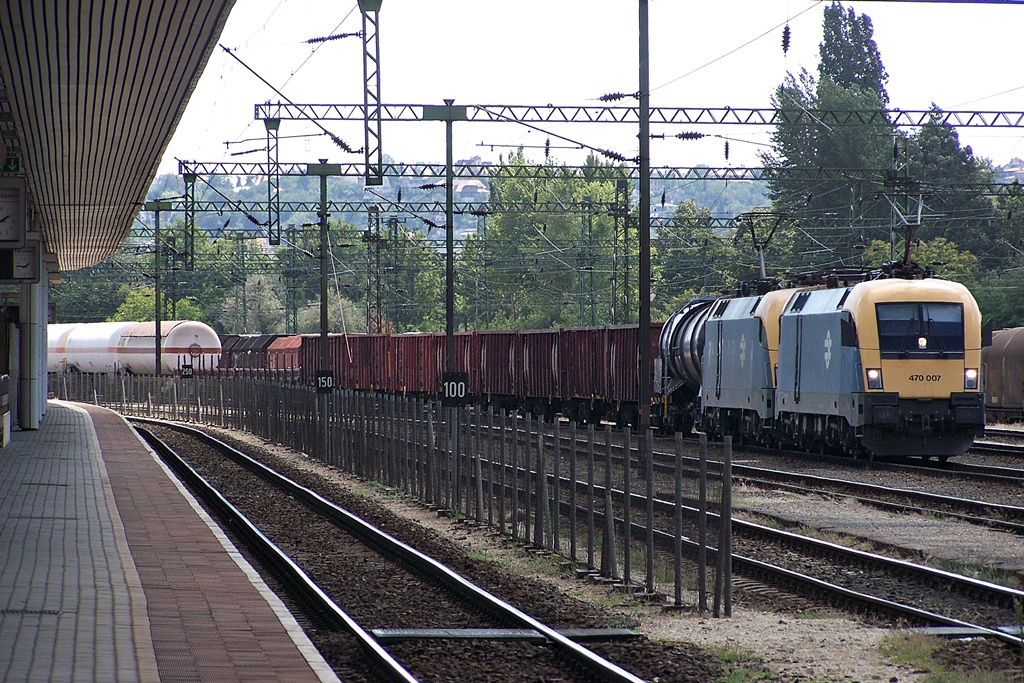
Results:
721 197
849 57
543 269
998 296
892 179
90 295
342 315
688 258
253 306
137 306
414 282
939 254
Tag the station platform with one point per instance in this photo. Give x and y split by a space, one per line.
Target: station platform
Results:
111 571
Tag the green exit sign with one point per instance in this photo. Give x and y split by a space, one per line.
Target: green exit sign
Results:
11 165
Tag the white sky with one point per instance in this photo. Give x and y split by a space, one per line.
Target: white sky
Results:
569 52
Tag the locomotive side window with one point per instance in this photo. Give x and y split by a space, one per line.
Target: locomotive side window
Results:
920 330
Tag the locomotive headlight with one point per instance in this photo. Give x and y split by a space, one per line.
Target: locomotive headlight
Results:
971 378
922 343
874 378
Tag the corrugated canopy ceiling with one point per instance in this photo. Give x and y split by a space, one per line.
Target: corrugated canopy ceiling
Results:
92 91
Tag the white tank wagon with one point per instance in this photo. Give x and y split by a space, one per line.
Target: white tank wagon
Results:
129 347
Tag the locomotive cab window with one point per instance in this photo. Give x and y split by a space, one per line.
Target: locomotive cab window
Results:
921 330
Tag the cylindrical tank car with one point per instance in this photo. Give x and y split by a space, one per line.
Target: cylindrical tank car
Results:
130 347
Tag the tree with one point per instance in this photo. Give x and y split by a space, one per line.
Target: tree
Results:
954 210
342 316
998 296
253 307
137 306
851 77
688 258
544 269
849 57
939 255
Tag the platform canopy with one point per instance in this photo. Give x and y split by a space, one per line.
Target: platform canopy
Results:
91 93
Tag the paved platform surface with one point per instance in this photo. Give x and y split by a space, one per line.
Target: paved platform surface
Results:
110 571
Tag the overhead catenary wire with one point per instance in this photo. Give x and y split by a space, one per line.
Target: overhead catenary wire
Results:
334 138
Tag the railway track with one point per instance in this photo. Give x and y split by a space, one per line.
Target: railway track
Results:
1005 517
1004 433
856 580
422 613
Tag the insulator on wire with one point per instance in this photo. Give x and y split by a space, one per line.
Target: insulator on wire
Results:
336 36
399 200
663 197
547 148
535 196
611 97
341 143
785 40
727 150
689 135
611 155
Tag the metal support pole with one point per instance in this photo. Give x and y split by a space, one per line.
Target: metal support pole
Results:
156 207
273 182
449 248
371 92
157 266
702 527
449 114
646 447
324 263
644 393
325 380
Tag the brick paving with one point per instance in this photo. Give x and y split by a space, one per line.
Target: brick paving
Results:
109 571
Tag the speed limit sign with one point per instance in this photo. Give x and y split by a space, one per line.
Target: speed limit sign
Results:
324 382
454 389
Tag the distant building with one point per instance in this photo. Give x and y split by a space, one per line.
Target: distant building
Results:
470 188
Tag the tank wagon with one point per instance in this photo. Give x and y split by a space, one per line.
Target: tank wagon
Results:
130 347
887 368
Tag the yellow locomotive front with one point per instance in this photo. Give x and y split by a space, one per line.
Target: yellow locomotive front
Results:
920 350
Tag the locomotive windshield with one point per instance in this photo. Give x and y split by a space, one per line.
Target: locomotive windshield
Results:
921 330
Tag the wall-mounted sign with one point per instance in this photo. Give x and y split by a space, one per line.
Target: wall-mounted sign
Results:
20 266
13 212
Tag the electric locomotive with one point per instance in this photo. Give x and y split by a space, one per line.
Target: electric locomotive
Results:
884 368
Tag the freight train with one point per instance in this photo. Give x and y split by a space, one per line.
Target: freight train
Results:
1004 364
880 368
130 347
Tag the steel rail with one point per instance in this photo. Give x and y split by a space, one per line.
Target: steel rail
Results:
782 479
776 574
391 546
297 580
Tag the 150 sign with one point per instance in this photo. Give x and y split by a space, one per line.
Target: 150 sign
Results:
324 382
